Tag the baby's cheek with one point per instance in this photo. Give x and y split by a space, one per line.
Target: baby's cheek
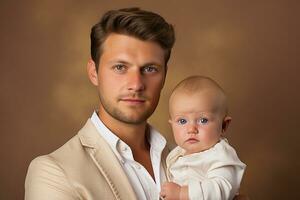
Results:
177 140
207 136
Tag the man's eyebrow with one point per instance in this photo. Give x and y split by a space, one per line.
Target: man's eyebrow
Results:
151 63
118 61
128 63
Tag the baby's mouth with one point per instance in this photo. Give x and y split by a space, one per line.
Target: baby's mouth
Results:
192 140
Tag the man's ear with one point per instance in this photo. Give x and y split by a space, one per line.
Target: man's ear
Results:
225 123
92 72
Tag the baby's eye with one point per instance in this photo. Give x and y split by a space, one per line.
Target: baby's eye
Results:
181 121
202 120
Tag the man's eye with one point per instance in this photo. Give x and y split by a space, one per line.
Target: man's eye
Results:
149 69
181 121
119 68
202 120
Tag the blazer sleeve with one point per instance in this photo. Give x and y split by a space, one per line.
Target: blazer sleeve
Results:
46 180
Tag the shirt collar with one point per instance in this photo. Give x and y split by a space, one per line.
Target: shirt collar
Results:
156 140
109 136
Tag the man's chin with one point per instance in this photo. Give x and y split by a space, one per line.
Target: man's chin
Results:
133 118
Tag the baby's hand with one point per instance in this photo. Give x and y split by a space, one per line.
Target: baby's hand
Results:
170 191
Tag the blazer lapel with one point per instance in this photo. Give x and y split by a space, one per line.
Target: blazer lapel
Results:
106 161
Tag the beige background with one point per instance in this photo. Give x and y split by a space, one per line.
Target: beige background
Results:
250 47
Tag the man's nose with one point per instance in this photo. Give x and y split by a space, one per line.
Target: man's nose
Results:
135 81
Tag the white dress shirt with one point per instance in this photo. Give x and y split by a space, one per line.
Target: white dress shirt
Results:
143 184
215 173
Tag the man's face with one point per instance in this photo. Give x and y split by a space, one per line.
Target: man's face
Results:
131 75
196 124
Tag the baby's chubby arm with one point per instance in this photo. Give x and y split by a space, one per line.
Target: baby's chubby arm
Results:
173 191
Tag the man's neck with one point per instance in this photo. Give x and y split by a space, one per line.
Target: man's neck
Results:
134 135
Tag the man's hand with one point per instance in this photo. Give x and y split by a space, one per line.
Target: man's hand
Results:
170 191
173 191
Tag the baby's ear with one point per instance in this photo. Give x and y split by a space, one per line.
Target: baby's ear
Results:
170 121
225 123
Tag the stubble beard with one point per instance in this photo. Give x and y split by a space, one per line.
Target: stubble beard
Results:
124 117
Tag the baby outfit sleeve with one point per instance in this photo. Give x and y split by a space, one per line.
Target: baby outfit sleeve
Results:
221 183
215 174
224 172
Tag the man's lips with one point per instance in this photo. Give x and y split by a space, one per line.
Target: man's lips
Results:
133 100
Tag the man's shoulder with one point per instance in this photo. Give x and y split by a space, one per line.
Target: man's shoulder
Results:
46 177
40 163
69 154
56 160
65 161
69 148
69 170
74 151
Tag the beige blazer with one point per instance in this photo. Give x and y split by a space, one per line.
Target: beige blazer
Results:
83 168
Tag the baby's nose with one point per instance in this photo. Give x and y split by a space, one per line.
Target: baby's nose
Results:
193 128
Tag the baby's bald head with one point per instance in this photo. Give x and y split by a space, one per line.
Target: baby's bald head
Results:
206 87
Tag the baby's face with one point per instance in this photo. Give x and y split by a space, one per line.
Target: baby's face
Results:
196 121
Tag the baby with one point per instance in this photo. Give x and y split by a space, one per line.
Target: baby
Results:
203 165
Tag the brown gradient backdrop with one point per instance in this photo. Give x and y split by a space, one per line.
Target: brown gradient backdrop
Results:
250 48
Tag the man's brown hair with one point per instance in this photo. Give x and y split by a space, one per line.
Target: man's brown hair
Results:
144 25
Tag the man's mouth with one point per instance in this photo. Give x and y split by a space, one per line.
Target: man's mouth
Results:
134 101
